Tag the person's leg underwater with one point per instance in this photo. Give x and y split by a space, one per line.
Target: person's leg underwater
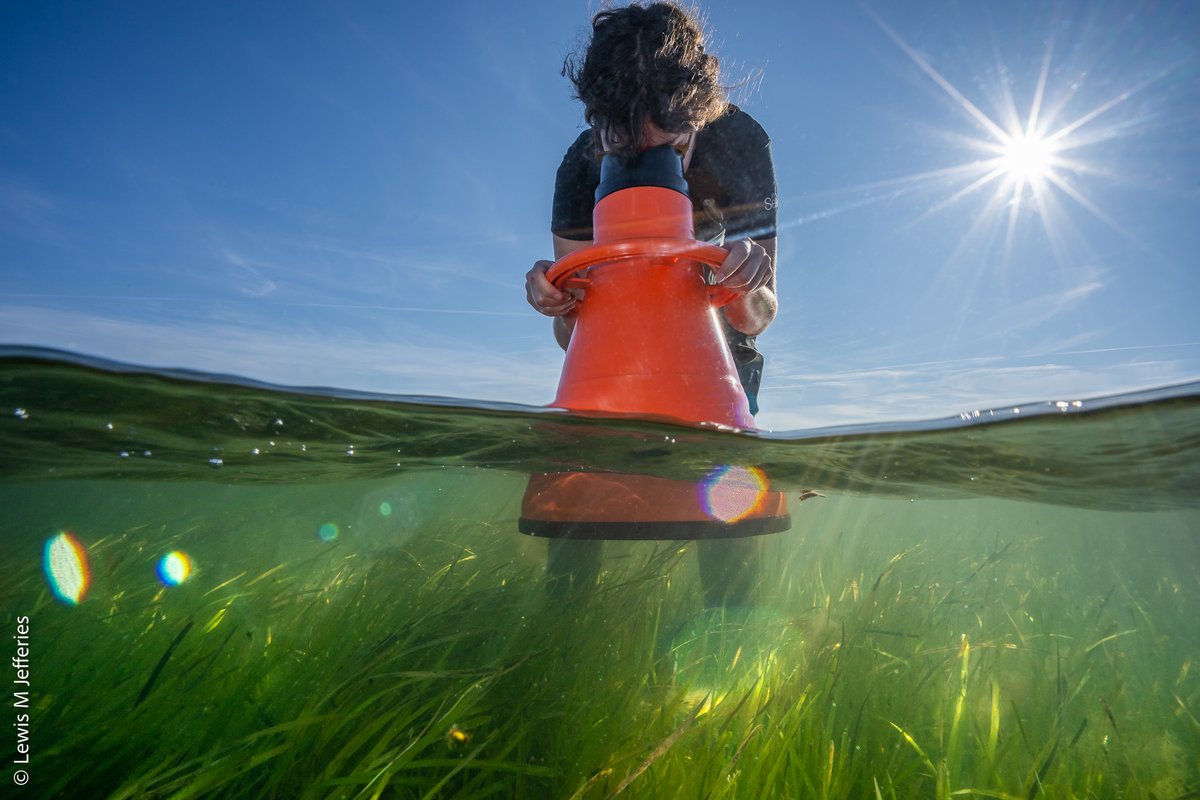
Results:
572 566
729 570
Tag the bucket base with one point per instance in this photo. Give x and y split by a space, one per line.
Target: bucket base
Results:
689 530
621 507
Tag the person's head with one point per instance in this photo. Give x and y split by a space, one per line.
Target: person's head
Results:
645 75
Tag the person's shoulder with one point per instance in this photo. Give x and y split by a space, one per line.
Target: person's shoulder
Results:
739 125
581 149
579 163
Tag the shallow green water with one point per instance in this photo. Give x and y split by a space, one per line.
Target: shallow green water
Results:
999 606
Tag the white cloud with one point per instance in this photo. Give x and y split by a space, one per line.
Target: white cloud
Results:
259 286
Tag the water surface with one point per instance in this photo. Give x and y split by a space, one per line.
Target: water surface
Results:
997 605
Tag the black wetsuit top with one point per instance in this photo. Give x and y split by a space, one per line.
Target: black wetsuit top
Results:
731 179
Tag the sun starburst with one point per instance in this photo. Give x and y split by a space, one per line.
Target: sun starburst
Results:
1029 162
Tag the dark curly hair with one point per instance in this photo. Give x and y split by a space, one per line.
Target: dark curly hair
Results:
645 63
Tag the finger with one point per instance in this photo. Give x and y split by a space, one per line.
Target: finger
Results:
739 251
762 281
755 272
765 274
553 308
549 306
537 284
556 310
541 294
539 299
742 268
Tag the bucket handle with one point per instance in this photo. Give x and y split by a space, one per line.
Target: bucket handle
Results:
560 274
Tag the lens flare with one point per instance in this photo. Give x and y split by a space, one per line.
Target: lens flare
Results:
65 563
174 568
730 493
385 508
327 532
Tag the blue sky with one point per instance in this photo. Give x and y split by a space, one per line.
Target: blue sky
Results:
349 194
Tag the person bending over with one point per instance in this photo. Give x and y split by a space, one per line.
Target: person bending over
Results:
646 80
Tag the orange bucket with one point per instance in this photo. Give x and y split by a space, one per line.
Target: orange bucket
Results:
647 341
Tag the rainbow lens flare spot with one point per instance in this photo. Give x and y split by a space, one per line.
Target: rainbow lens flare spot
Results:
731 493
65 562
385 508
327 532
174 568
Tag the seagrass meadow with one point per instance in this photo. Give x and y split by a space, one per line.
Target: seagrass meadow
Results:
233 590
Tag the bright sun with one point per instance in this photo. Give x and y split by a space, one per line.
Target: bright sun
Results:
1027 159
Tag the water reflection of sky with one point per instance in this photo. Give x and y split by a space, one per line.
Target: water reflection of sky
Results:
350 195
